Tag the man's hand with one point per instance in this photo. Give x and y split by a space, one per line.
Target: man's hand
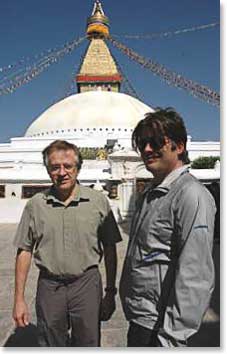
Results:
21 314
20 310
108 306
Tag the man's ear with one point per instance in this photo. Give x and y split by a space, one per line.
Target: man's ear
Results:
180 148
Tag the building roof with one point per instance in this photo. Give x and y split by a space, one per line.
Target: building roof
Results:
89 111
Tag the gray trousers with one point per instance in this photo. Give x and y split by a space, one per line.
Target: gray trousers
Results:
68 311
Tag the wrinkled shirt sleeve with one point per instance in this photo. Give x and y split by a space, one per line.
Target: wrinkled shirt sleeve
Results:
24 238
109 232
194 278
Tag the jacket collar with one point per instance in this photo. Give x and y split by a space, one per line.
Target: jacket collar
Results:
170 178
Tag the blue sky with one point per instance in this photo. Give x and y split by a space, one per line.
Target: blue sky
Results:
29 27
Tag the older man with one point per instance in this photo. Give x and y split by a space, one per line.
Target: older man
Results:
67 229
168 274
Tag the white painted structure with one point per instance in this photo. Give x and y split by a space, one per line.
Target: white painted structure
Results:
91 118
87 119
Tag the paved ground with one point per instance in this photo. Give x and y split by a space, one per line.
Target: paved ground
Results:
113 331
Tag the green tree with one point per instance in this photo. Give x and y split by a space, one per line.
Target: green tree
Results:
88 153
205 162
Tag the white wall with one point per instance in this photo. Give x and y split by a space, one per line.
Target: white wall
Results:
13 188
11 210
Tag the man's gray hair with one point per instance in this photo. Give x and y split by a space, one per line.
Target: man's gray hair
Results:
61 145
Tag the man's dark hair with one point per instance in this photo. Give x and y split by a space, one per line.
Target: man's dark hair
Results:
158 125
62 145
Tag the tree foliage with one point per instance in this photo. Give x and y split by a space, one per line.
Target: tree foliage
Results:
89 153
205 162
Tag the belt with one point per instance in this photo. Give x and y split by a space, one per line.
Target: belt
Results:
44 273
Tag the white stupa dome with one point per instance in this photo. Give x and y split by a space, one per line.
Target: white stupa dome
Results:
90 112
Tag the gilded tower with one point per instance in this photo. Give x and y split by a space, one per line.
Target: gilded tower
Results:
98 70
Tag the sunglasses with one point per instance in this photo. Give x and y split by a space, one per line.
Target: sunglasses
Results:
155 143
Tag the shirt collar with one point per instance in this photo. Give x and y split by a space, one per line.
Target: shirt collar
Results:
79 194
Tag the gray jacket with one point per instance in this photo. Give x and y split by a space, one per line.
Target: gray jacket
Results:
168 273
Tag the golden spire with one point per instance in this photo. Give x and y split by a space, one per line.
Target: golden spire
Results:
98 70
97 23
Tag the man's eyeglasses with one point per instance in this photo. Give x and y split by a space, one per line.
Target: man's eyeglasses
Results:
57 168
